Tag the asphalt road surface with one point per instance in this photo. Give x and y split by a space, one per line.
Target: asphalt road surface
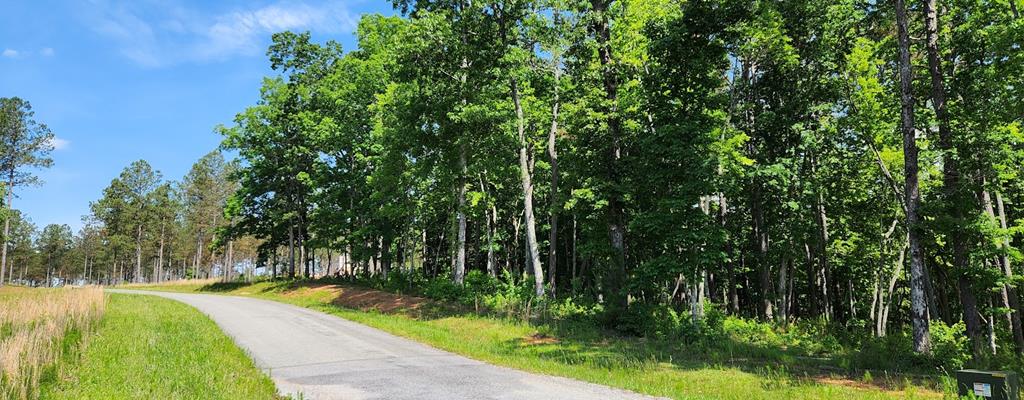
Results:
322 356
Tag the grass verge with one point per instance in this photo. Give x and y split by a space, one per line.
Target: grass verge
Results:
568 349
153 348
39 329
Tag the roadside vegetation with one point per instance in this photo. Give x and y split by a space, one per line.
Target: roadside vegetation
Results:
774 189
153 348
41 329
731 359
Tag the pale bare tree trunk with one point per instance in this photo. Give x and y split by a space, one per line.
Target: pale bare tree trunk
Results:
291 252
574 267
883 319
697 299
823 239
918 302
7 228
459 264
230 267
158 275
138 254
525 172
1010 297
781 290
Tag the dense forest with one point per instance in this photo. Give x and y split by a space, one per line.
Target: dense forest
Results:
854 163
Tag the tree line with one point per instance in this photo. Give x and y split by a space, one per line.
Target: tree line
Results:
142 229
856 162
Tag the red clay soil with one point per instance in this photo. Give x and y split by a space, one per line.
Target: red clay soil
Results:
539 338
371 299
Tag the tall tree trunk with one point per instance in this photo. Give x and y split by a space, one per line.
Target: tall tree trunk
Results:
614 278
734 298
556 204
881 326
7 227
158 274
385 251
951 179
459 264
291 252
918 302
823 239
231 260
525 173
812 281
782 290
138 254
491 220
1012 301
199 255
760 238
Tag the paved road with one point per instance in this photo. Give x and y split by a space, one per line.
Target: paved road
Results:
325 357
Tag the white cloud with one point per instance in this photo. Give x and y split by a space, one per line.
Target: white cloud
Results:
172 34
59 144
46 52
10 53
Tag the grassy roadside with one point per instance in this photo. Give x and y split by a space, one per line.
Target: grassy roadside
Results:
153 348
577 352
39 329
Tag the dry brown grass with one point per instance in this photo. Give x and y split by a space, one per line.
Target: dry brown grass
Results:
34 325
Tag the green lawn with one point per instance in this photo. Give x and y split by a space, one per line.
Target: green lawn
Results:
583 353
153 348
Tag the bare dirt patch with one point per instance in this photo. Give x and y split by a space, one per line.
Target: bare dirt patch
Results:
539 338
366 299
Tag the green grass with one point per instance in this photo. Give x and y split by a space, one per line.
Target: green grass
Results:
153 348
583 352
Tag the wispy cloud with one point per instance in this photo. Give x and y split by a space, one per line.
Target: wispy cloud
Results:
12 53
59 144
163 33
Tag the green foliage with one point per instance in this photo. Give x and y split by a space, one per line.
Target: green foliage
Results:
950 351
650 320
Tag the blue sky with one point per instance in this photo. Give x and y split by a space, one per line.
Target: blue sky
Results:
119 81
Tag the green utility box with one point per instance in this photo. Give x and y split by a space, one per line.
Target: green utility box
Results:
990 385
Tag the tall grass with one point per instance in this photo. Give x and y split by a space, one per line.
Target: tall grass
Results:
37 328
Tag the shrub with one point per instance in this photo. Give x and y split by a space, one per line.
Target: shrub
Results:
478 283
950 346
650 320
512 296
442 288
573 309
950 350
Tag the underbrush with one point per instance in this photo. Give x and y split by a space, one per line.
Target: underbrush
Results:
39 328
718 336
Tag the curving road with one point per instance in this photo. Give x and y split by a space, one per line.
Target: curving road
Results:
322 356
